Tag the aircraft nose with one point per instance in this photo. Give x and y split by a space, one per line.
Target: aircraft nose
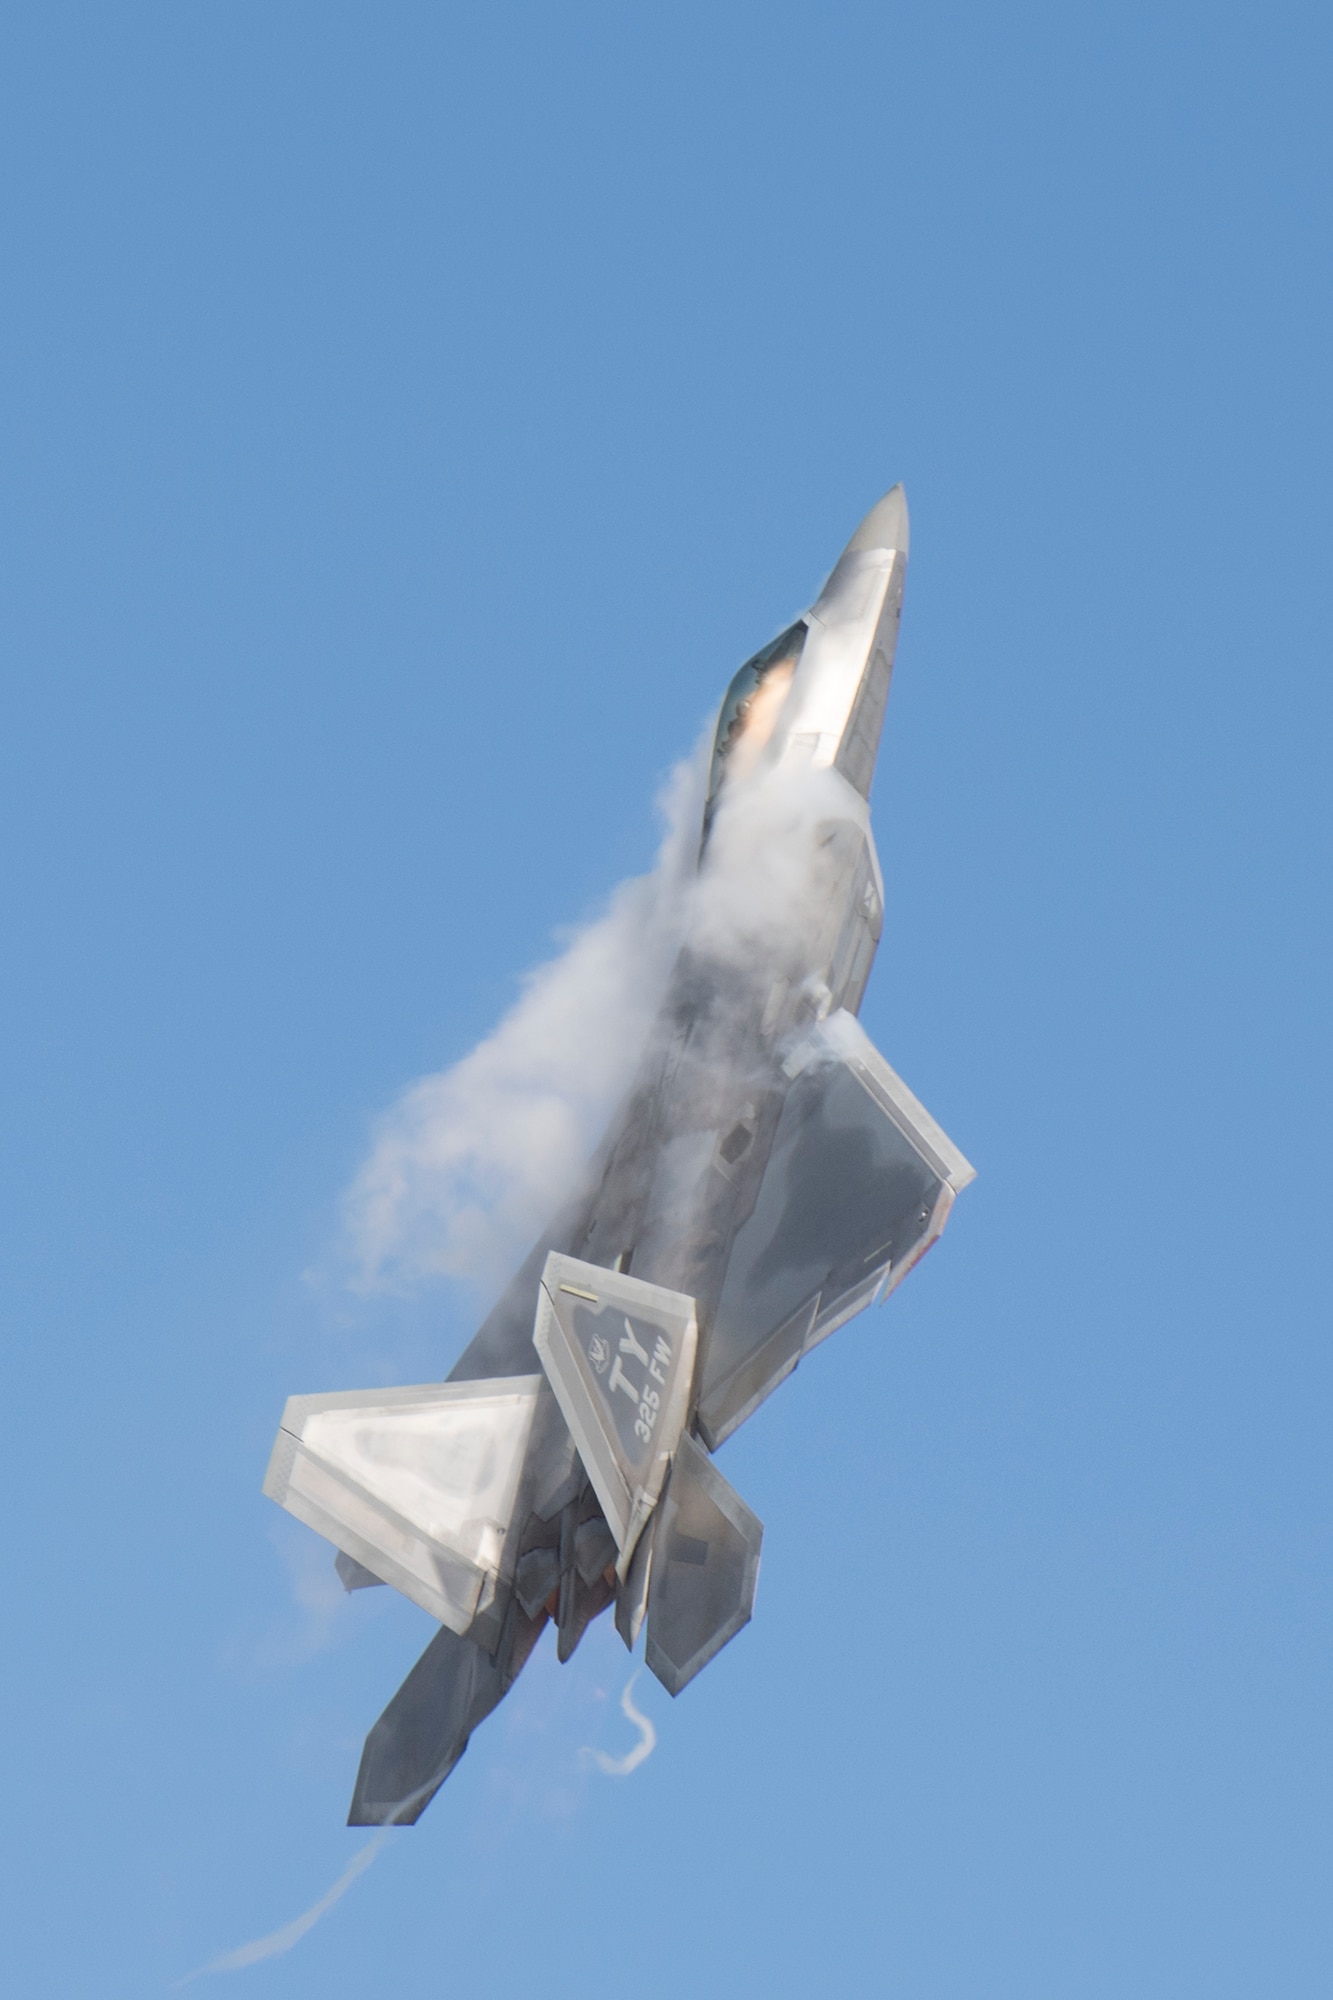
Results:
885 526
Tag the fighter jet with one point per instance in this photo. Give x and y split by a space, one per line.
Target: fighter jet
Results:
767 1177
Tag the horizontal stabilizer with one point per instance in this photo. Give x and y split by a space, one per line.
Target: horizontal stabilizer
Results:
619 1354
858 1186
417 1486
705 1568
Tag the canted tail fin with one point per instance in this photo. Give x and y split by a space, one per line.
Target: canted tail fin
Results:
619 1355
705 1568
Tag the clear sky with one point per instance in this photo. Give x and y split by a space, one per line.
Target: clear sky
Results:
410 416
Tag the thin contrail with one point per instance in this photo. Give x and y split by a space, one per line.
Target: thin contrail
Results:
620 1767
282 1940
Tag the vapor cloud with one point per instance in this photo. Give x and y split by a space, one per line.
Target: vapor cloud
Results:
278 1941
620 1767
764 889
469 1165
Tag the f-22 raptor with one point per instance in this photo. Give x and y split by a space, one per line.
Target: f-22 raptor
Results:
767 1177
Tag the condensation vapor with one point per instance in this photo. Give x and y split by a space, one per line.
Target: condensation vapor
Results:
620 1767
469 1165
279 1941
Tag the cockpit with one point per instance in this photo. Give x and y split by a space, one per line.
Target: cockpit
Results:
750 710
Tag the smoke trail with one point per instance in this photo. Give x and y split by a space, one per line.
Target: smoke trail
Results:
470 1164
282 1940
620 1767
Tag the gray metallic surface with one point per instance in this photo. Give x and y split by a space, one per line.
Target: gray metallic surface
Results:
417 1486
425 1729
885 526
768 1176
502 1344
705 1569
594 1550
619 1354
536 1578
857 1185
352 1574
632 1592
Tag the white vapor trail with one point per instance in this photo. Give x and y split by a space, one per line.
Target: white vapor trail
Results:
620 1767
469 1165
282 1940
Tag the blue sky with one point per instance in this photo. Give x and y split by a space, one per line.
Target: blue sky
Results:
409 418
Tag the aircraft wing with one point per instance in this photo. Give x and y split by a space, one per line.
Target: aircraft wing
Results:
858 1186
